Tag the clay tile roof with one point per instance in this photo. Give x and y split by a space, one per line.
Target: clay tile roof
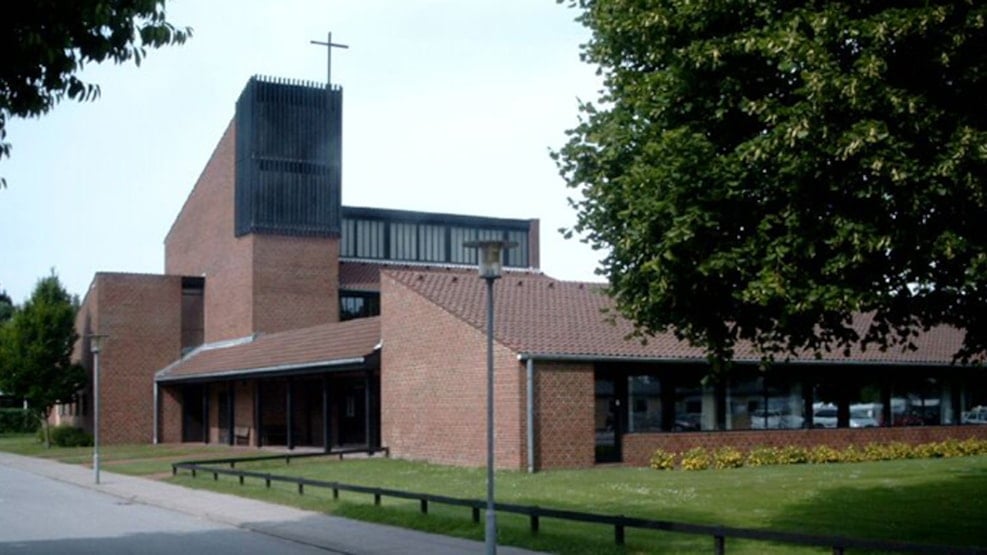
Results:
364 275
336 344
541 316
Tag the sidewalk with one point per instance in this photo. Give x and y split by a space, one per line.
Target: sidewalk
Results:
334 534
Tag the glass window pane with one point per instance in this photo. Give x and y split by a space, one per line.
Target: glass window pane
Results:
644 395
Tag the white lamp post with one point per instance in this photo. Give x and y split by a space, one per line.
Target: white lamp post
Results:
95 344
490 270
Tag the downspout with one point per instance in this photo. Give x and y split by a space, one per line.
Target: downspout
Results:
157 407
531 415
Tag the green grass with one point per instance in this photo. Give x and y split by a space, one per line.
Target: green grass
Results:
942 501
136 460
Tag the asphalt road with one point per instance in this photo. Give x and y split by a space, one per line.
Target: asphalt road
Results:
39 515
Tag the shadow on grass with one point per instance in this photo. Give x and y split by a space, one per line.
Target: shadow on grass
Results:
946 510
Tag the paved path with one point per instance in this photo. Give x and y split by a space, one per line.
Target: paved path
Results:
332 534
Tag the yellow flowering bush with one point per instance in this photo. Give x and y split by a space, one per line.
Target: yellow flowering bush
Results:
662 460
699 458
696 458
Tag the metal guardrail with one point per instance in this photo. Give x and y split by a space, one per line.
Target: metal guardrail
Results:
620 523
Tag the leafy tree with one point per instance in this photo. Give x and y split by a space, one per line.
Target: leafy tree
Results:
36 350
46 42
765 170
6 306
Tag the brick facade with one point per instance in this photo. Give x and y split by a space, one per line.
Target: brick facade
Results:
170 417
254 283
564 427
295 282
136 347
433 386
201 242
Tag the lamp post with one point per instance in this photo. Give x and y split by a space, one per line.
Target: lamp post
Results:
95 344
490 270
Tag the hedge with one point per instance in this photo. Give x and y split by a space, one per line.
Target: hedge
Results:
699 458
18 421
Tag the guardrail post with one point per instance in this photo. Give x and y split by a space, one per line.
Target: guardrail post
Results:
476 515
174 470
301 488
335 493
534 521
267 481
241 479
618 534
719 544
215 476
377 499
193 472
232 464
423 503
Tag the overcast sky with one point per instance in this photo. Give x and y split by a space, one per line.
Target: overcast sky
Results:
449 106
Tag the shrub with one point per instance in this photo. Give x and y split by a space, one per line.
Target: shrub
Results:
68 436
792 454
762 456
18 421
823 454
696 458
728 457
662 460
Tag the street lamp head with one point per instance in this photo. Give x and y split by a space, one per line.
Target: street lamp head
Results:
95 342
490 264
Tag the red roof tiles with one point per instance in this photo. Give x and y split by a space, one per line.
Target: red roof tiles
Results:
325 345
538 315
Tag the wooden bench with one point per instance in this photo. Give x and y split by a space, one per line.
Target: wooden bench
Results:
241 435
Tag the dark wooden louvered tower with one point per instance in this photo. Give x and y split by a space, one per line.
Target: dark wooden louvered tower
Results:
288 158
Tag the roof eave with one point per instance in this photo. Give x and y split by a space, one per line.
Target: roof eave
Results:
354 363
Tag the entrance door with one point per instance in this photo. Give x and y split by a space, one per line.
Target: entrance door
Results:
351 401
193 413
611 413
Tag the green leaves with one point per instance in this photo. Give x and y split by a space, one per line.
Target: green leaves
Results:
766 170
36 349
46 42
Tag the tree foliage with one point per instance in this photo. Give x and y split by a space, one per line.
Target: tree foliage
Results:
764 170
36 349
6 306
45 43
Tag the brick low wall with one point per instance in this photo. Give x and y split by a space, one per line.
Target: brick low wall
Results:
638 448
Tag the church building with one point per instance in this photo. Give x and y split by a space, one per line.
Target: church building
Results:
284 318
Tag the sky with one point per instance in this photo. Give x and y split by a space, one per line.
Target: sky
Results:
449 106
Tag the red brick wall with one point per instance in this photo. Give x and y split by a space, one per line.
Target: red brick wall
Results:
295 282
638 448
141 315
564 426
255 282
433 386
171 415
202 242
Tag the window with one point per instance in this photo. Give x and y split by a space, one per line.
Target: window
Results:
760 403
358 304
404 241
432 240
644 395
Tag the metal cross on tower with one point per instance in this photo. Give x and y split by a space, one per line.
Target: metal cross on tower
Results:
329 46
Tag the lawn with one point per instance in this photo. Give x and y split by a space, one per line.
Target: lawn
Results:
941 501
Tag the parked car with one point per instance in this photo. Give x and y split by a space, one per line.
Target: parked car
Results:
825 417
762 419
976 415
